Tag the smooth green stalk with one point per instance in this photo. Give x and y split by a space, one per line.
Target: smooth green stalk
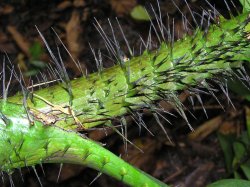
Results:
43 130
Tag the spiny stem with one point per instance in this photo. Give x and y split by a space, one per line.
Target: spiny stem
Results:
145 79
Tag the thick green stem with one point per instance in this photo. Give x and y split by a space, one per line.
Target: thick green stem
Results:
115 91
27 144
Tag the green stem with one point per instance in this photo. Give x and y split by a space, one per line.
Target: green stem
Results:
24 144
152 76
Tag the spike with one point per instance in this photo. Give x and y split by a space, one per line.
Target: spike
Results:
38 178
2 176
41 166
97 62
20 172
229 10
125 133
200 101
236 9
191 12
107 41
182 14
11 180
6 89
159 20
162 127
98 175
125 39
59 173
121 134
225 91
5 119
77 63
139 121
116 43
213 7
3 79
149 39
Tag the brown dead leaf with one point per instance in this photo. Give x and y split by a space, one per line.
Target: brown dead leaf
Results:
138 159
22 42
170 7
205 129
232 125
99 134
123 7
3 37
229 127
199 175
202 150
178 172
79 3
6 9
63 5
73 31
8 47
